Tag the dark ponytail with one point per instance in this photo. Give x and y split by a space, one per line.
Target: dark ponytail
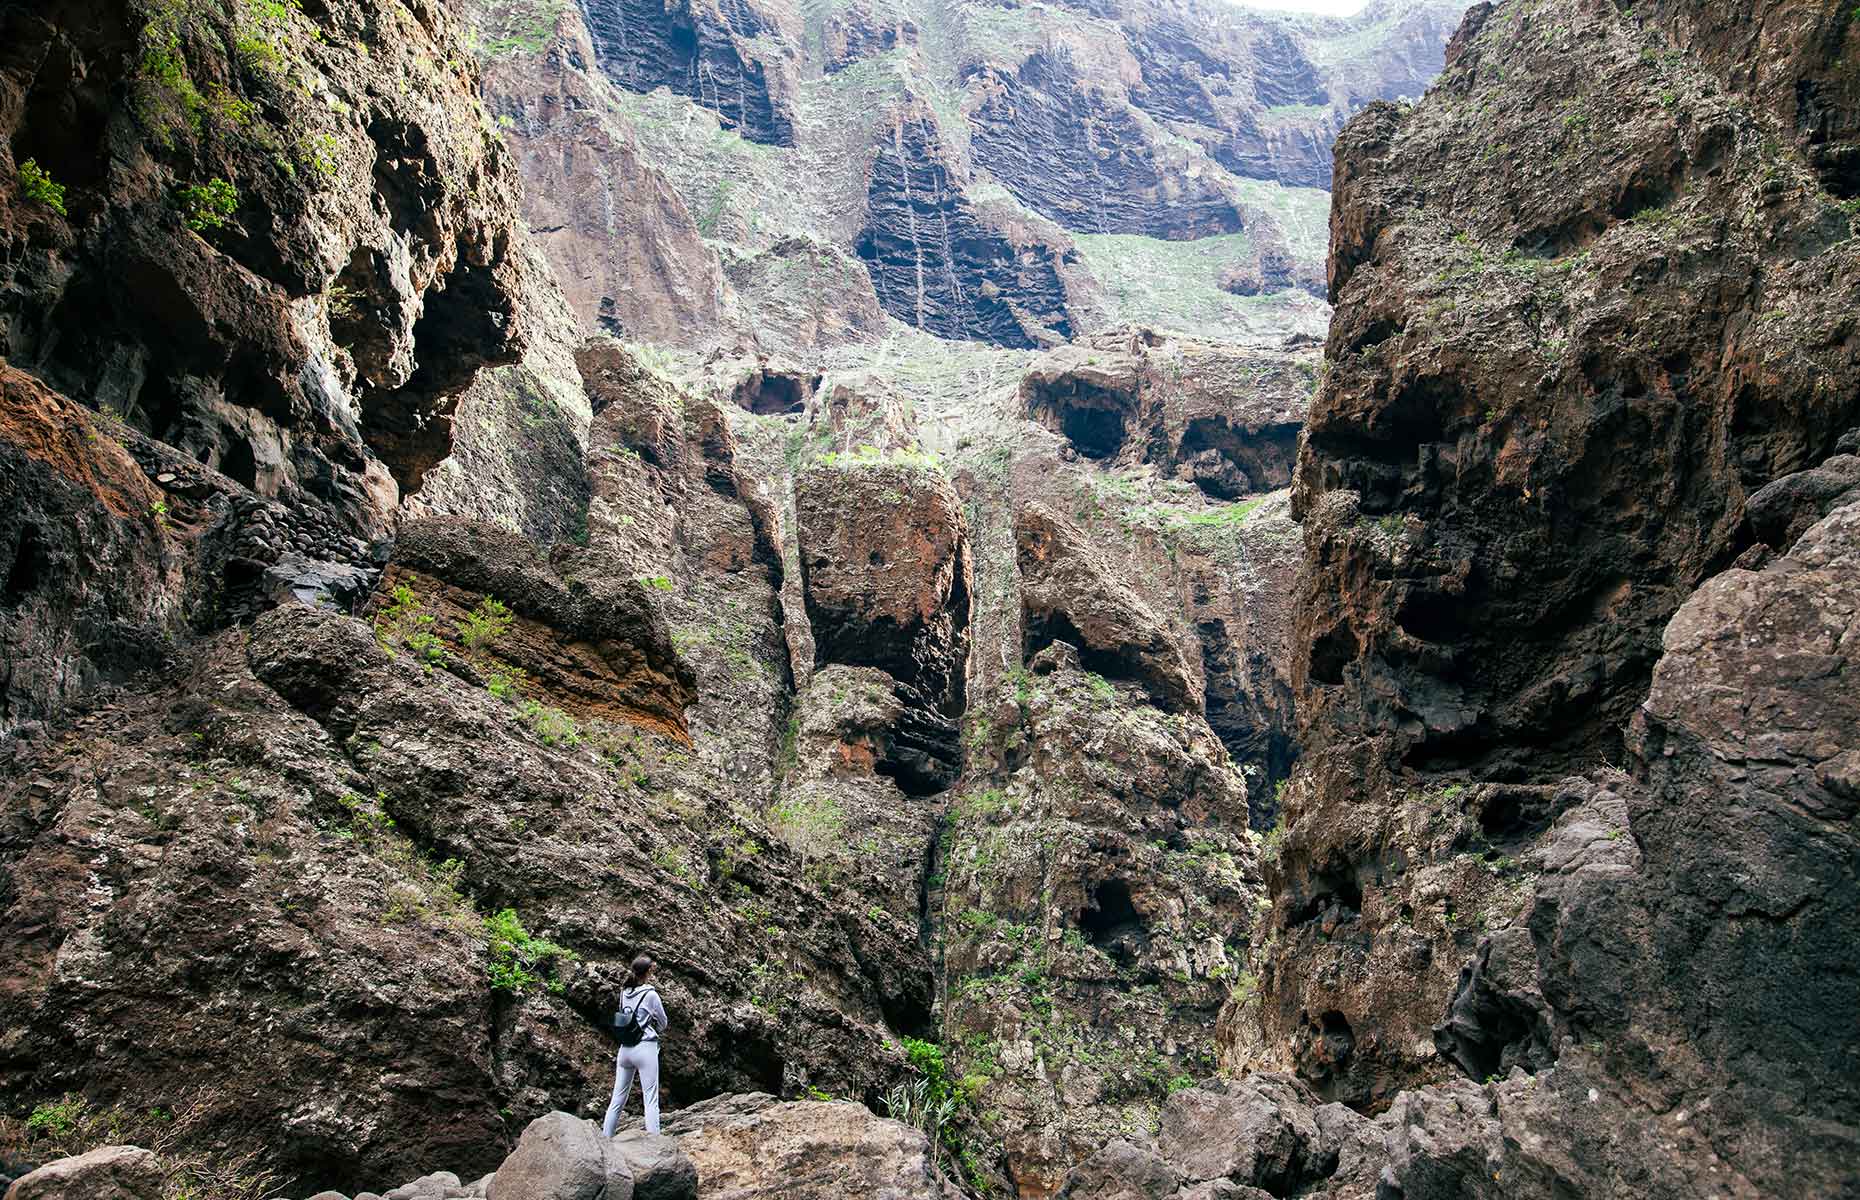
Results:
642 967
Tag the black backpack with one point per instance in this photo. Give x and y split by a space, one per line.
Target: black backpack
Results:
630 1025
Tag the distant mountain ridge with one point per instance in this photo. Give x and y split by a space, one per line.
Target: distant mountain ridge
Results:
1017 175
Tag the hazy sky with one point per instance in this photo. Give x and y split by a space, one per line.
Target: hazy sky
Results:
1335 8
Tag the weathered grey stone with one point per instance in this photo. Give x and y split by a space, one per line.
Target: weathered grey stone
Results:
106 1173
562 1157
659 1168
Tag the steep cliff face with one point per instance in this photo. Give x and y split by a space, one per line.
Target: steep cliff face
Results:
717 54
1013 175
268 251
864 742
626 251
1547 417
942 264
970 730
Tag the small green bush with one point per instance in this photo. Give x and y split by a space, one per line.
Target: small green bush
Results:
57 1119
552 725
506 682
208 206
515 959
484 624
38 187
405 623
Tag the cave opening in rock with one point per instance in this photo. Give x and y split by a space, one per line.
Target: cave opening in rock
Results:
1042 629
1241 461
239 463
1113 924
1334 894
28 569
775 393
1093 432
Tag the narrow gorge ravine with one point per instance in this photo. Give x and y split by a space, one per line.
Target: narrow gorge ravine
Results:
1130 606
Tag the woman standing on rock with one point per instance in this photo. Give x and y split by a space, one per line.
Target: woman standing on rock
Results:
639 1024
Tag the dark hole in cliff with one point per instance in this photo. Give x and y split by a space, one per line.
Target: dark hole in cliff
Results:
1332 652
1642 195
1432 617
1113 924
1514 813
1244 461
1093 432
28 569
1091 417
1488 1030
465 326
240 463
775 393
1042 629
1334 895
1324 1052
1374 334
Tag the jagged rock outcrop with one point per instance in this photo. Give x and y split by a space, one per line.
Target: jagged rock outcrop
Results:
293 293
271 306
1085 159
92 590
886 576
1069 595
861 29
1496 617
733 58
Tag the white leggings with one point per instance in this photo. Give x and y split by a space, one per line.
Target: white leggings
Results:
641 1060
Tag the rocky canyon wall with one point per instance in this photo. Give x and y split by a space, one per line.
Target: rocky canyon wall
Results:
1555 425
1207 766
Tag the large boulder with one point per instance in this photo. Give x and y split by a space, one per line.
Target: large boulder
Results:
755 1145
661 1171
562 1157
106 1173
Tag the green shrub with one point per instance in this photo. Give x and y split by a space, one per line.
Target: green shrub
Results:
515 960
552 725
506 682
57 1119
38 187
208 206
405 623
485 624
